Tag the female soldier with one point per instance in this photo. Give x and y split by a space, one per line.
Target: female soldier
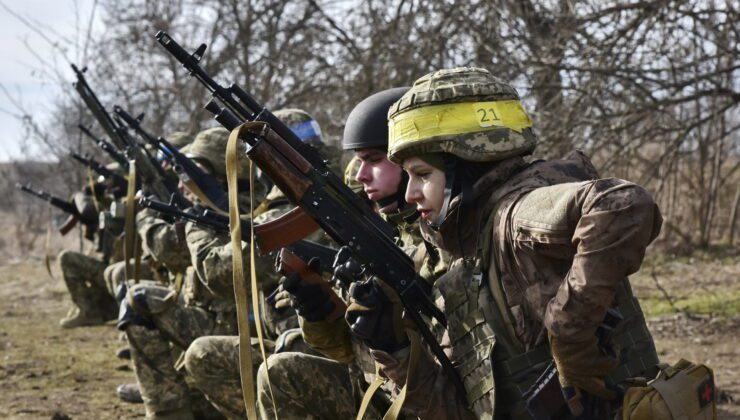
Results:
541 253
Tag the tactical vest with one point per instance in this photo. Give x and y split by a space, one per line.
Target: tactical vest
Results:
494 373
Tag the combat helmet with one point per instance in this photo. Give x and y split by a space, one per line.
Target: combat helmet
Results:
180 139
209 148
465 112
367 128
300 123
367 123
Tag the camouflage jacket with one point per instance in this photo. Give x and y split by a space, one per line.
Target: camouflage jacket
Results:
211 254
560 254
105 236
162 242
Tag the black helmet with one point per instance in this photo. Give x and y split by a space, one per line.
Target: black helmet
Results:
367 124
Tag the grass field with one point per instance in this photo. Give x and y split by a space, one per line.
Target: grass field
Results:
50 373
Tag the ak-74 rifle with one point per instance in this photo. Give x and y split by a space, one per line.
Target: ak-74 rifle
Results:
152 175
118 183
306 250
305 178
108 148
205 185
62 204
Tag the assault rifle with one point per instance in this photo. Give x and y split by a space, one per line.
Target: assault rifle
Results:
306 250
107 147
189 173
305 178
152 175
60 203
118 183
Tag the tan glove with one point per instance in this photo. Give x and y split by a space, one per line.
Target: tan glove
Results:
582 368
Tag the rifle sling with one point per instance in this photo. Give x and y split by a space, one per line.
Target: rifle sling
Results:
371 390
193 187
414 355
240 290
47 246
129 249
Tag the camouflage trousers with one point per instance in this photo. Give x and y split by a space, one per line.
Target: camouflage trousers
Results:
162 384
83 276
305 386
212 364
115 274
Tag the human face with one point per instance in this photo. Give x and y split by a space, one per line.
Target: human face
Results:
379 176
426 187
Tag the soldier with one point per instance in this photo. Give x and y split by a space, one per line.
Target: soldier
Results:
339 379
83 274
166 258
205 307
212 363
541 253
158 237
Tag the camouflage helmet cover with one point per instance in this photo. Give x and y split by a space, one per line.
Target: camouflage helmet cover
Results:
464 111
301 123
210 146
180 139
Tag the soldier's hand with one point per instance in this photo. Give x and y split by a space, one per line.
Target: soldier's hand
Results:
582 368
375 315
312 301
346 270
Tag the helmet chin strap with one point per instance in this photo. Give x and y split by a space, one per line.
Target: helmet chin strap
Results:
450 163
457 182
399 197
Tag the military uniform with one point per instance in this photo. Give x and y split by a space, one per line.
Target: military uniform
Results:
544 250
212 362
83 274
204 307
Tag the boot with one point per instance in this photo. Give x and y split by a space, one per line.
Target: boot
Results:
81 319
124 353
129 393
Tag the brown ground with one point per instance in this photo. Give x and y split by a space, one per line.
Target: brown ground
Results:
47 372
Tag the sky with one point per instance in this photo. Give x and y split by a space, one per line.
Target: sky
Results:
18 46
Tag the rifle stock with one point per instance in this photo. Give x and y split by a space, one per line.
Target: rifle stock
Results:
68 225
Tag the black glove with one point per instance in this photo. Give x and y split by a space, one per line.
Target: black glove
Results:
312 301
346 270
375 315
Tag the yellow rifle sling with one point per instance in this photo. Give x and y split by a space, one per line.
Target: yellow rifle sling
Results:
414 355
371 390
195 189
129 250
240 290
255 290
